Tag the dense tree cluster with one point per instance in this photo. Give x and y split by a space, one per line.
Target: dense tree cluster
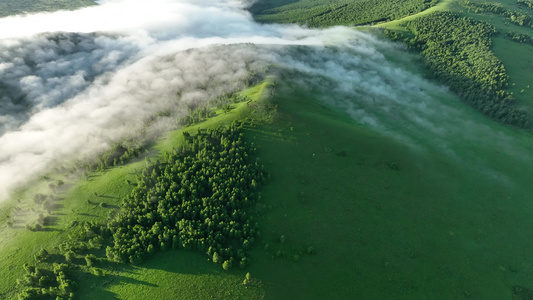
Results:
519 37
195 198
340 12
457 52
119 154
47 284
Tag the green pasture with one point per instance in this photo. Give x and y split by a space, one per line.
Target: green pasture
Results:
386 222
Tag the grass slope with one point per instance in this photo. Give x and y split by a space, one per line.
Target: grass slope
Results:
385 221
397 24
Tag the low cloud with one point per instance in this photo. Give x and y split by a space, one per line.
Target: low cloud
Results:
72 83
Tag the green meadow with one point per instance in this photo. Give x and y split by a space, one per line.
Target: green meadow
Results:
346 212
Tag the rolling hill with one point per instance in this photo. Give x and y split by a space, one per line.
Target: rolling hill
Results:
385 175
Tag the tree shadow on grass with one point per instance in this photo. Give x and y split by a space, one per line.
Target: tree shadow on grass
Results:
50 229
181 261
18 221
54 258
96 287
51 221
57 206
109 197
128 280
87 214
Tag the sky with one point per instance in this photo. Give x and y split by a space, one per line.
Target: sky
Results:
75 82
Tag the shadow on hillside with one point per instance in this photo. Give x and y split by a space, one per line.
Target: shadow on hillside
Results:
54 258
50 229
183 262
105 196
57 206
51 221
86 214
96 287
111 206
101 291
128 280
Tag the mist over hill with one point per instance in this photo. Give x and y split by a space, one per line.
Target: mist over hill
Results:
72 85
345 172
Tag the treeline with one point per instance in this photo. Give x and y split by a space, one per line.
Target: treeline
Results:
515 17
525 3
457 52
223 102
519 37
195 199
123 151
119 153
341 12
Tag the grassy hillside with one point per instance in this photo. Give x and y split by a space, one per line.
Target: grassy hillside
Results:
385 221
506 99
346 212
8 7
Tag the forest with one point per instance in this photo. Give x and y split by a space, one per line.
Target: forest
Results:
343 12
456 51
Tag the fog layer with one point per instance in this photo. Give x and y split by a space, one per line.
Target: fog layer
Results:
73 82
